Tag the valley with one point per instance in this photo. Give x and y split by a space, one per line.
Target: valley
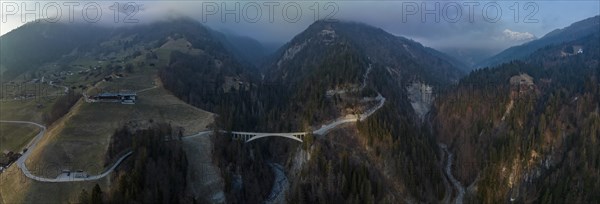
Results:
175 111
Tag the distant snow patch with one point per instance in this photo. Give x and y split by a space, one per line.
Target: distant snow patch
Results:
517 36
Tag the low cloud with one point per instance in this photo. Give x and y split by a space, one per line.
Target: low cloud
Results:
465 34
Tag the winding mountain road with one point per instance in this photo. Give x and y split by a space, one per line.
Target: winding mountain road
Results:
65 89
74 177
199 134
71 177
350 118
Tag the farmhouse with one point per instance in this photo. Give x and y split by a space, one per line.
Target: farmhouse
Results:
124 97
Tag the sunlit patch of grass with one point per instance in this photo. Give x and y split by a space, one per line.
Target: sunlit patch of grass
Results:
80 139
27 109
16 188
14 137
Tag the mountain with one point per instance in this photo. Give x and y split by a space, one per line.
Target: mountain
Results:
245 49
524 131
187 53
202 67
337 69
158 60
272 47
469 56
329 57
453 60
402 57
572 32
34 44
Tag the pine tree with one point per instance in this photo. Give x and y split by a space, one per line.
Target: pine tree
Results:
84 197
96 195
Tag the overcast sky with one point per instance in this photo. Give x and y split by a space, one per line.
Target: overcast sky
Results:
447 24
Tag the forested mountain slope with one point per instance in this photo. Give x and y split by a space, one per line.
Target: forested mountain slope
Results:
527 130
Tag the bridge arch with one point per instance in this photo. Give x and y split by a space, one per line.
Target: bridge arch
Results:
275 135
251 136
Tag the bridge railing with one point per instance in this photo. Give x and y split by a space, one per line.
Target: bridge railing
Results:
249 136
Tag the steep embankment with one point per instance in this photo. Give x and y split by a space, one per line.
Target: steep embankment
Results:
531 126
